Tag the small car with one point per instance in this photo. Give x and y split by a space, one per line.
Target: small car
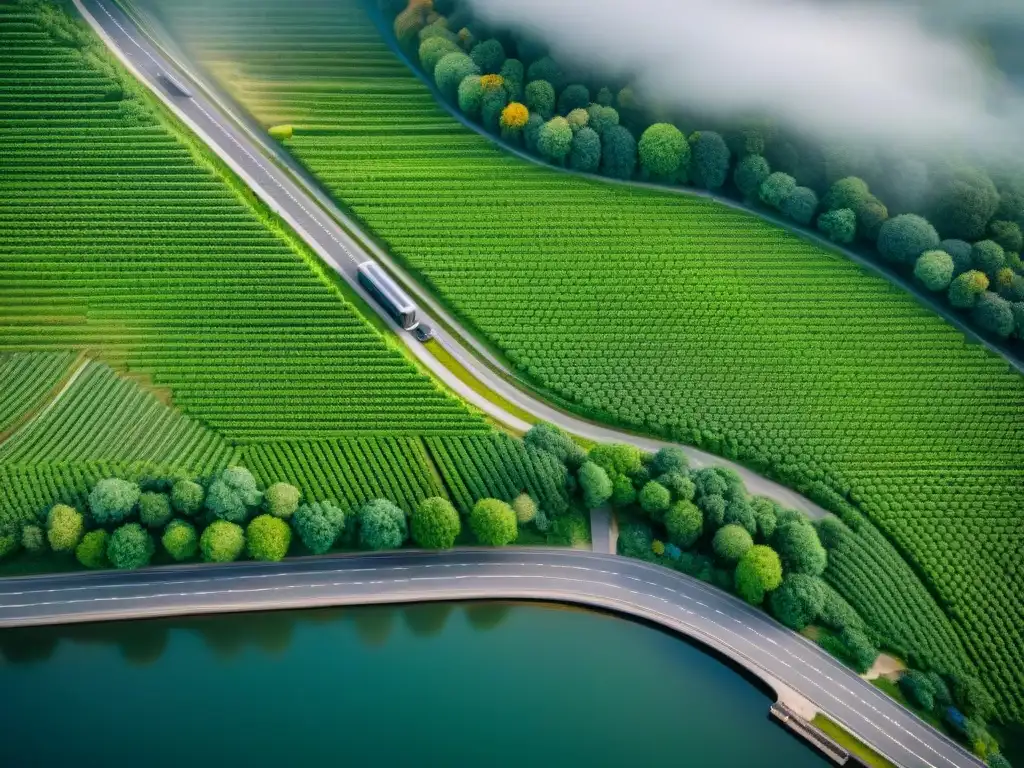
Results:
423 332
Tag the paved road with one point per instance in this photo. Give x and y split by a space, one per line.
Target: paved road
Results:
788 662
315 218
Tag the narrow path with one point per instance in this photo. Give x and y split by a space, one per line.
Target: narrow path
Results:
601 522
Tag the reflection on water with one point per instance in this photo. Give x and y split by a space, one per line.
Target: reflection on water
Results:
144 642
434 684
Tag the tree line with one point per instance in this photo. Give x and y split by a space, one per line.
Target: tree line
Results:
953 228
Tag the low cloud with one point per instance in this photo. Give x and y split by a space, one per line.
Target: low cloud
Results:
898 74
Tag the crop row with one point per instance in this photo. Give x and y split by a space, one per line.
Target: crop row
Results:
102 416
25 378
153 260
349 472
496 466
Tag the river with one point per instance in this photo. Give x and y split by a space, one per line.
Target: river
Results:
481 684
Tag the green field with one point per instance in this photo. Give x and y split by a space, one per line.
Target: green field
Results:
671 314
156 320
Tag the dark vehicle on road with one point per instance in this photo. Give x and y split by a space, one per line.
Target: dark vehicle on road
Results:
423 332
173 87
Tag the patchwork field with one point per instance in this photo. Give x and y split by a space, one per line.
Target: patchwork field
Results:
155 320
670 314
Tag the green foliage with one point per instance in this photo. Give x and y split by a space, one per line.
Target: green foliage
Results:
711 158
451 70
489 56
319 525
853 646
758 573
433 49
91 551
64 528
839 225
713 506
670 459
966 288
903 238
493 523
554 141
994 314
573 97
549 438
596 485
33 539
578 119
963 201
801 205
187 497
382 525
548 70
917 687
1007 234
934 269
751 172
601 117
514 76
585 155
154 510
221 542
233 495
623 491
655 499
267 538
738 511
850 193
960 252
765 513
800 549
540 98
799 600
180 540
525 508
664 153
130 546
113 501
988 256
618 152
435 523
617 458
776 189
684 524
282 500
731 543
471 96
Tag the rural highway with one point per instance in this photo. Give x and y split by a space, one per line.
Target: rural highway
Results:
784 660
315 218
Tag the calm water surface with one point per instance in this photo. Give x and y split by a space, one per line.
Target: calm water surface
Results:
439 684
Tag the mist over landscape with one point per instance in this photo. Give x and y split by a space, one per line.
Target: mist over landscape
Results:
905 73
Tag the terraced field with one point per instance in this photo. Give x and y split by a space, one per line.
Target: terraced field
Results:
123 244
103 417
142 251
670 314
25 380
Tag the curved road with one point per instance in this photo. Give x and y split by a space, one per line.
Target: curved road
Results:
786 661
315 219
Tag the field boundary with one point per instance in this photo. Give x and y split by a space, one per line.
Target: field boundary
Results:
49 399
1013 358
